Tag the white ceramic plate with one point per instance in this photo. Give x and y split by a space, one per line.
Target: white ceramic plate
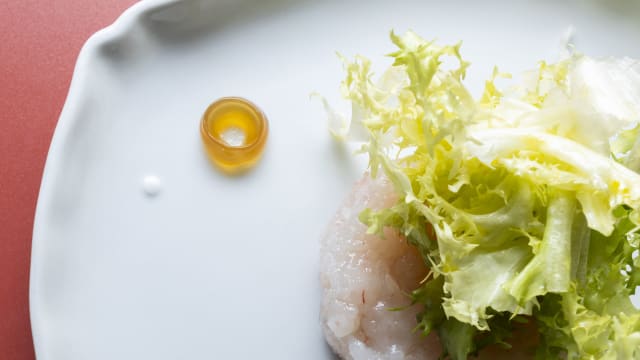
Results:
215 267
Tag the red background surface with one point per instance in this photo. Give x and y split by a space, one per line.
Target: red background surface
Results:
39 44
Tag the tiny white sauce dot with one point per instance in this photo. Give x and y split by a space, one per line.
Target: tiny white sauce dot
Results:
151 185
233 136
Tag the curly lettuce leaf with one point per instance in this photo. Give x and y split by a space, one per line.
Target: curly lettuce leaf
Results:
524 202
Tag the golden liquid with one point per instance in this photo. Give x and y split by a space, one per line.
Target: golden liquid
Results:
236 116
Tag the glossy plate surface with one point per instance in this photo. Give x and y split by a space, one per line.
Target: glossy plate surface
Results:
143 250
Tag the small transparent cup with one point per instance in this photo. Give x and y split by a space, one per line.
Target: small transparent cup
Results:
240 115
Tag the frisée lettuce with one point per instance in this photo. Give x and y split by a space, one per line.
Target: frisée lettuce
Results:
524 203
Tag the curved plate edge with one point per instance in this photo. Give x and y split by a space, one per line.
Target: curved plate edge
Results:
124 24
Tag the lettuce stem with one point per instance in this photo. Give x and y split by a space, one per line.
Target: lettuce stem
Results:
557 242
550 269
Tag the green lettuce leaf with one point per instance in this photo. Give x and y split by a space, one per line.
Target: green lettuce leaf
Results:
525 202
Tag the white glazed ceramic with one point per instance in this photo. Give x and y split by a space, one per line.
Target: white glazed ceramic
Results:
217 267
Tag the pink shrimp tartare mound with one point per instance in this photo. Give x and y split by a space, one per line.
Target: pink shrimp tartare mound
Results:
364 277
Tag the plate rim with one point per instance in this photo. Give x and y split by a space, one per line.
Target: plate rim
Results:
124 24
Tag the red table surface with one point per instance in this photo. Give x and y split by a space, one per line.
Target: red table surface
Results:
39 44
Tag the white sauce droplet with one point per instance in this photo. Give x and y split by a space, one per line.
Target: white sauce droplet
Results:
233 136
151 185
